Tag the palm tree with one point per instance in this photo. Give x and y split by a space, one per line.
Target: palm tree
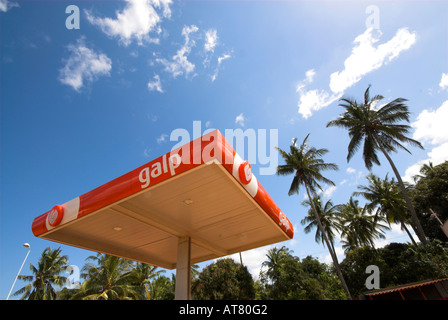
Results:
425 169
306 164
109 279
46 275
276 257
328 218
141 276
349 242
379 130
385 195
359 226
162 287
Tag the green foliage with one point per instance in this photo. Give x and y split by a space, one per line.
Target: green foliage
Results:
110 278
431 193
398 264
359 226
287 278
224 280
163 288
307 165
375 128
328 216
45 276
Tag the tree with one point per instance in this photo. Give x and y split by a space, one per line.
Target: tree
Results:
109 279
45 276
224 280
430 193
141 276
354 266
398 263
328 218
425 170
306 163
378 128
386 197
163 288
285 277
276 259
359 227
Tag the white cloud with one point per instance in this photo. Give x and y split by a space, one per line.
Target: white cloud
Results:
152 117
430 126
83 65
313 100
252 259
240 119
444 81
5 5
353 177
395 235
365 57
211 39
179 64
326 193
431 130
155 85
437 156
162 138
309 77
351 170
136 21
339 254
223 57
220 60
329 191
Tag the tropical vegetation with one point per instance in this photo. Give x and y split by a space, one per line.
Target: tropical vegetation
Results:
306 164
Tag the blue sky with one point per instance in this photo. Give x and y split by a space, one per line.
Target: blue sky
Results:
80 107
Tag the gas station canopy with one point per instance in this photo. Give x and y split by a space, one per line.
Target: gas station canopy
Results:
202 191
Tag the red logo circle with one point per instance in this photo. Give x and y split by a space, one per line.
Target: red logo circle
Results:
245 172
55 215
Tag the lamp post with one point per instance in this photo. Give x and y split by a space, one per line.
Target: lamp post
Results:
26 245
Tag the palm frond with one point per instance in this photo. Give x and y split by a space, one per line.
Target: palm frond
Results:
369 152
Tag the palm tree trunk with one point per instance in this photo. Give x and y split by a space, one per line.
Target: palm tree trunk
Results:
419 230
332 253
332 248
403 225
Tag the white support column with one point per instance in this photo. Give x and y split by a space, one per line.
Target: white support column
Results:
183 270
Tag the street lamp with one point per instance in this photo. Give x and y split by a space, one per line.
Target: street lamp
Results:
26 245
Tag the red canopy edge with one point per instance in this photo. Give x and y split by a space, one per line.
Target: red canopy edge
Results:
211 147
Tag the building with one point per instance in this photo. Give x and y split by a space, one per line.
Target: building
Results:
423 290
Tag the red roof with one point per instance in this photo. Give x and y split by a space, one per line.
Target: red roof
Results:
404 287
